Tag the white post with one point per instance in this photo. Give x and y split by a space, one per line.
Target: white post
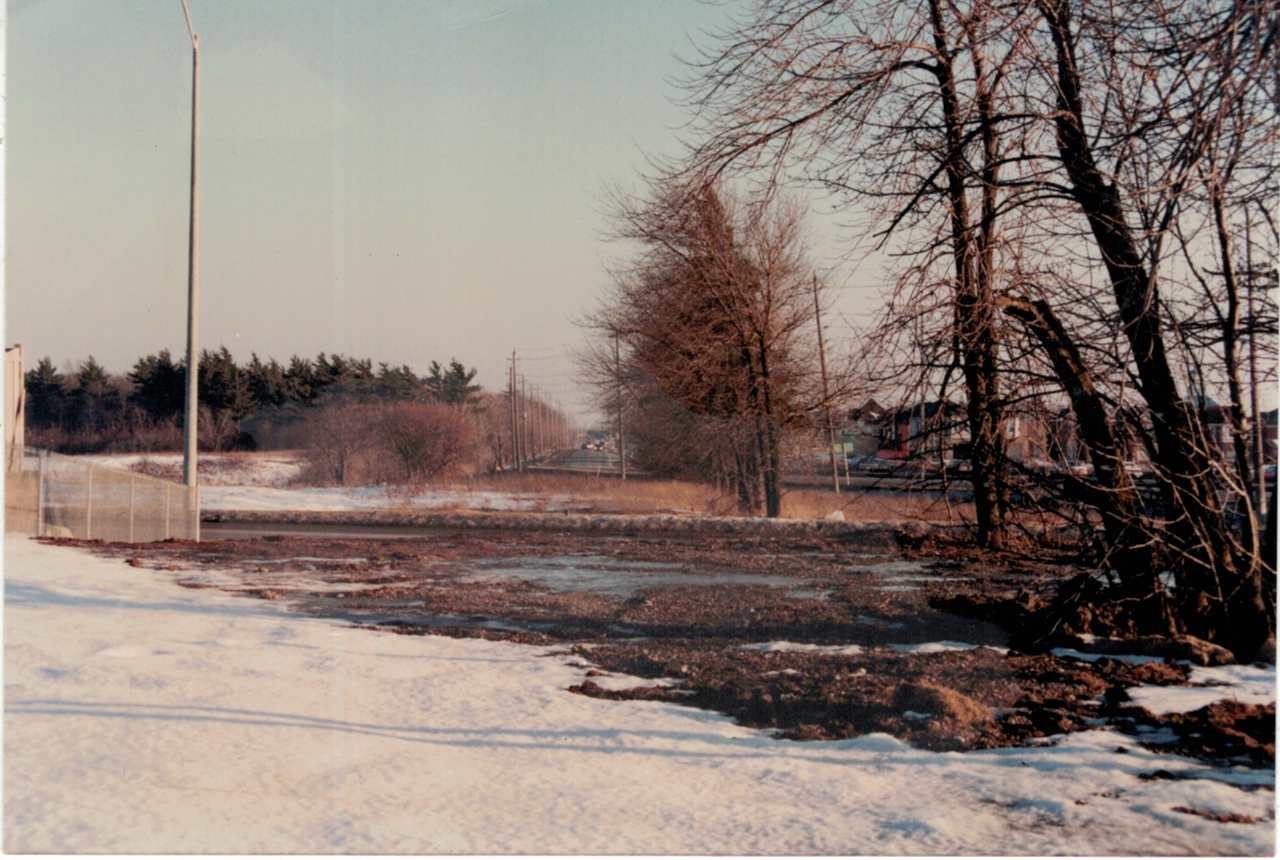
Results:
88 508
40 494
190 429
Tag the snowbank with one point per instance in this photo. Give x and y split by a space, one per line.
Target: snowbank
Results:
260 483
144 717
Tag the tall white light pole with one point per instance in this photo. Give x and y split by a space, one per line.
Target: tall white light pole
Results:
189 435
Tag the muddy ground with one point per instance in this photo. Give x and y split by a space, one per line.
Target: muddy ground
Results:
705 619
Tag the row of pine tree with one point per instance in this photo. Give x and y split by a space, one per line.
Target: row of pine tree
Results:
90 410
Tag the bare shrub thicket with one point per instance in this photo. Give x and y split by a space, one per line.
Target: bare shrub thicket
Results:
426 438
352 443
338 435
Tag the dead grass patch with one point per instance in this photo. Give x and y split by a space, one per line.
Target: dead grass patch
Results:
611 495
604 495
873 507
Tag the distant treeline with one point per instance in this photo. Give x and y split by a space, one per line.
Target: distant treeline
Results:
242 407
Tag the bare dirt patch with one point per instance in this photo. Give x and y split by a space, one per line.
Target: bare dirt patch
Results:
812 637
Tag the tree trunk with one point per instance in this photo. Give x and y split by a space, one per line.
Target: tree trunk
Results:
1231 359
974 310
1219 594
1115 497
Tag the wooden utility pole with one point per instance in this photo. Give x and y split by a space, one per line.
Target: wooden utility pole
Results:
511 414
1259 438
622 436
541 439
524 421
826 394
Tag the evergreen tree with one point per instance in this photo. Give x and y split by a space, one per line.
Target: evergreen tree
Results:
300 383
159 386
96 400
398 383
224 387
47 399
268 384
224 391
452 385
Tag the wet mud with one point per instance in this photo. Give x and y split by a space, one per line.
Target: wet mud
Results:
813 637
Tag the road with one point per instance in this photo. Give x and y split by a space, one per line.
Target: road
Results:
580 460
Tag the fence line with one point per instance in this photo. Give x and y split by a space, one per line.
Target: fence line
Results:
55 496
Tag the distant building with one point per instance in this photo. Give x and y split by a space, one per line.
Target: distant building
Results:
936 429
1218 424
861 431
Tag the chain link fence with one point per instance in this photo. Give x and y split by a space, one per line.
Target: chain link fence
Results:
55 496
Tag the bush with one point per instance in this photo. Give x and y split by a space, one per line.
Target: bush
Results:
426 438
336 437
359 443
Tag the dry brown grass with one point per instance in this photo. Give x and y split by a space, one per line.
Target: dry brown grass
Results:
588 493
872 507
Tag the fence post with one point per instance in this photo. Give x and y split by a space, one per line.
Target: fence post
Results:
88 508
131 483
39 494
166 511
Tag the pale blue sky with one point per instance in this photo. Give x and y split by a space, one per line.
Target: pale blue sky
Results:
407 181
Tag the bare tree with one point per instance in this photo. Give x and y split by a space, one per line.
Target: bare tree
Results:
900 107
427 438
1220 594
337 434
1047 154
716 310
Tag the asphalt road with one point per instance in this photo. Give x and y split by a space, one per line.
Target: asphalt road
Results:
250 531
581 460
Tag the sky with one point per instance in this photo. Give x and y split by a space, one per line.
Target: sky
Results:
405 181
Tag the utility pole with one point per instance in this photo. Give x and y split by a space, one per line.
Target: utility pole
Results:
190 434
524 421
542 421
826 394
622 436
511 410
539 425
1259 458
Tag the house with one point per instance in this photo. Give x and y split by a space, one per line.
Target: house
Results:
1217 421
860 433
936 429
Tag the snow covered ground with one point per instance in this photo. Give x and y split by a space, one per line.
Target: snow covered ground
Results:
144 717
260 483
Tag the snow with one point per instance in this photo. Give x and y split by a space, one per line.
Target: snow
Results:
1249 684
259 470
260 483
944 645
783 645
1255 685
143 717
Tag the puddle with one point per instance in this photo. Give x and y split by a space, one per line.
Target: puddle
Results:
615 578
907 575
912 583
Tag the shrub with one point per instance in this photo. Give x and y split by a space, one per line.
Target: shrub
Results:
426 438
336 436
